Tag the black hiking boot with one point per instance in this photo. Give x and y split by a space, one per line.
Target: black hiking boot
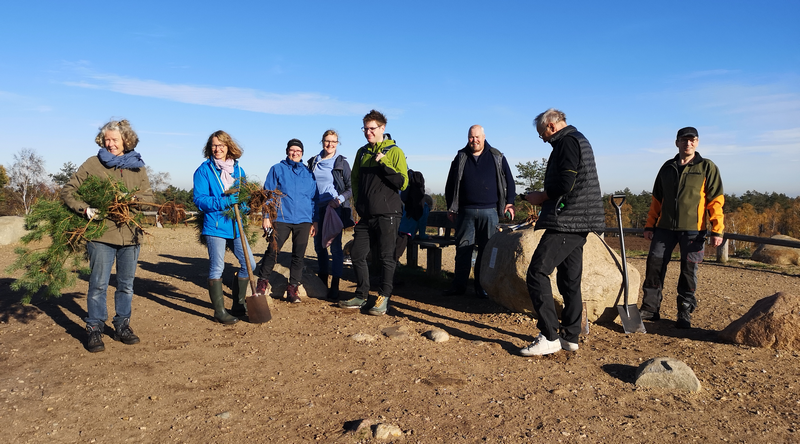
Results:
124 333
94 343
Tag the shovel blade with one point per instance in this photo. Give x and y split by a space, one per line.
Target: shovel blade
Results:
258 309
631 319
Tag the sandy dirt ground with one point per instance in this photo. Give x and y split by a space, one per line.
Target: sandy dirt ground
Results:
302 377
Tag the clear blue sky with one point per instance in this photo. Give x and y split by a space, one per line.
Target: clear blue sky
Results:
627 74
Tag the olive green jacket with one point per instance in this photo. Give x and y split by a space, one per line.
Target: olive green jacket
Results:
132 178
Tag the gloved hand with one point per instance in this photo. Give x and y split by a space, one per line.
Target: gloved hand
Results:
244 208
232 199
91 213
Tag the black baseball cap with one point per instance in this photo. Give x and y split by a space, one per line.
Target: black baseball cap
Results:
689 131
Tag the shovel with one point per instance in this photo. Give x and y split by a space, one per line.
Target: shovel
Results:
628 313
258 305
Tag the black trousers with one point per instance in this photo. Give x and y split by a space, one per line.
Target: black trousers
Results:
299 233
382 229
692 244
564 252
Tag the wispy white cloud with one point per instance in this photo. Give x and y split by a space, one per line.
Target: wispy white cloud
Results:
25 103
304 103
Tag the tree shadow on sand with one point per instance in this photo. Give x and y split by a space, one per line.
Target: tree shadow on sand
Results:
56 308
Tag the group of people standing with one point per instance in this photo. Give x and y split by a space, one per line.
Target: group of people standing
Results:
480 189
308 193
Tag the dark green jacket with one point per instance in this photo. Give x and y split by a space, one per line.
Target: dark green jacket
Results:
681 201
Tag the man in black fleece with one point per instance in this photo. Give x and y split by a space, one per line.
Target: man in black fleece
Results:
572 207
479 191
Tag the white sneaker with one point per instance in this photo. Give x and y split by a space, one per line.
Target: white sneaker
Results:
568 346
541 346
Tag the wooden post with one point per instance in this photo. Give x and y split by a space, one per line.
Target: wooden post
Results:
722 252
412 254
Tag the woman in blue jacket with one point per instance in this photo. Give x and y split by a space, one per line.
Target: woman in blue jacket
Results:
295 215
332 173
211 180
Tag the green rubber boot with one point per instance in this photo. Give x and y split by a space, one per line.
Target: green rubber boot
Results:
239 307
215 292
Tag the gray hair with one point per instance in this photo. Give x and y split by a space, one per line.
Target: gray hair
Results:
552 115
129 137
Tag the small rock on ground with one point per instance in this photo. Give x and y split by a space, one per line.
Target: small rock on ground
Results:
437 335
387 431
668 373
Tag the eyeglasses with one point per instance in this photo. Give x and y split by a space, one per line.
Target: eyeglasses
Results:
220 146
369 129
330 142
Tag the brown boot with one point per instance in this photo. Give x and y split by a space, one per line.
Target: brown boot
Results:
291 294
262 286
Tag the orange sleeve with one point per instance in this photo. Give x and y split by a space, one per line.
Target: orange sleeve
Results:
654 214
715 216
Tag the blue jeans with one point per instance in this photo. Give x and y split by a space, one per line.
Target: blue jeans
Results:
337 254
473 227
216 255
101 259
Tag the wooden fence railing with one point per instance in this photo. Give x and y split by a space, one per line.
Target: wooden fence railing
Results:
722 250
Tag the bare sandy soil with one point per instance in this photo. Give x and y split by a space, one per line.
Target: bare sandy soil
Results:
302 377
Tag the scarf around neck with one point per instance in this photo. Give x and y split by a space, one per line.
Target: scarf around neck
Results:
226 172
130 160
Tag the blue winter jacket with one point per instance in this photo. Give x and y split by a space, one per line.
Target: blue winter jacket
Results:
297 185
210 198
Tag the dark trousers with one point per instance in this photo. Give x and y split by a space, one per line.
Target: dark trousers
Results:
692 245
473 227
384 230
281 232
564 252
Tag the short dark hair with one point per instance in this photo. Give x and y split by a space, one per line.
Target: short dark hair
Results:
375 116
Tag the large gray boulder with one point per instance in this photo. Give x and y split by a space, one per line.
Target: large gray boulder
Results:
772 322
12 228
776 254
505 264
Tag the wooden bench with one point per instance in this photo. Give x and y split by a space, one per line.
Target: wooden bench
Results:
434 243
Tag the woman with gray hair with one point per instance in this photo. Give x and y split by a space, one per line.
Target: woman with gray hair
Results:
117 161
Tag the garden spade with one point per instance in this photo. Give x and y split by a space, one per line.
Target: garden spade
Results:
258 305
628 313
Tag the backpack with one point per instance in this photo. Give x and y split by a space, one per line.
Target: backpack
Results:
414 195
